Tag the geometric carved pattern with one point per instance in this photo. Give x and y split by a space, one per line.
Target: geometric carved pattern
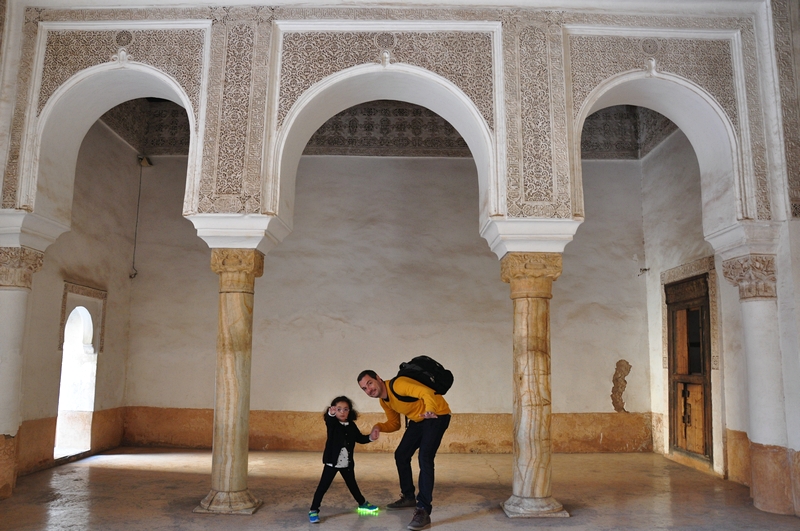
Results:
703 266
790 98
389 129
464 58
151 127
236 110
623 132
754 274
706 62
17 266
177 52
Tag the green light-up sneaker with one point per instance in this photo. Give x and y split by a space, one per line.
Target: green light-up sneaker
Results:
367 508
313 517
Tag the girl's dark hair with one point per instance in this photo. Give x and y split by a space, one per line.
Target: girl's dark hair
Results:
353 415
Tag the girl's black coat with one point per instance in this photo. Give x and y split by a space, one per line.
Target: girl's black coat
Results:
340 436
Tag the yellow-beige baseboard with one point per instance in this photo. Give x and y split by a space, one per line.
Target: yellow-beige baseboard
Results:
468 432
305 431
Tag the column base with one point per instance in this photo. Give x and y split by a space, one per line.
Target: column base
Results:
517 507
219 502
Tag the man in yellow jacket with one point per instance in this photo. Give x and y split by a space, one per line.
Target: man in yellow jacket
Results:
429 416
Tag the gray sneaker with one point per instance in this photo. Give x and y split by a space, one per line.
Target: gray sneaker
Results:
421 520
402 503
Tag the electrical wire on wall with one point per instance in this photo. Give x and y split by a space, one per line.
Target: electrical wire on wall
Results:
143 163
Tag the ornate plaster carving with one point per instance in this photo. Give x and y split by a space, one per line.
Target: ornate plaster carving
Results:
237 269
463 57
683 272
707 62
151 127
177 52
518 265
623 132
790 98
17 266
238 80
387 128
754 274
91 293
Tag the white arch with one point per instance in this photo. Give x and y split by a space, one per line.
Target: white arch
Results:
364 83
726 193
52 143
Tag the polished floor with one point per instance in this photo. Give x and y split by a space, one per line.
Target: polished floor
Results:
151 489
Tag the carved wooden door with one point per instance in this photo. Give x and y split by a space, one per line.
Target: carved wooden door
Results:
689 366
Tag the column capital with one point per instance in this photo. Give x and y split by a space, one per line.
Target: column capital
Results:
17 266
530 274
237 269
754 274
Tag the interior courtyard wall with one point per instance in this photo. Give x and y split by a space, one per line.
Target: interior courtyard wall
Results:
95 253
174 299
598 306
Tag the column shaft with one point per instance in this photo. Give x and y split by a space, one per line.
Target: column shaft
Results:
531 276
238 269
770 458
17 266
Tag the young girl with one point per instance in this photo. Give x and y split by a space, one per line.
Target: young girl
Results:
343 434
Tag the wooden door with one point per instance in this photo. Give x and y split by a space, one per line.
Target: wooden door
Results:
689 366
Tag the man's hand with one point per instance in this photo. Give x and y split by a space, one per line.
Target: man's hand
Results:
430 415
374 434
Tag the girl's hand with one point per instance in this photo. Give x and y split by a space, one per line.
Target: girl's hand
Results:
332 411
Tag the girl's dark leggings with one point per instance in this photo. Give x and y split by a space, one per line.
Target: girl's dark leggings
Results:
328 473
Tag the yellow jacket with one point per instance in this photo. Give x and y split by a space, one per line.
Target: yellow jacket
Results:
429 401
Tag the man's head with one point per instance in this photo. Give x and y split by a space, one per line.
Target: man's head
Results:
371 384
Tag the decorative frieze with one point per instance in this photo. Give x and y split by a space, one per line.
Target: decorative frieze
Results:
177 52
754 274
790 97
17 266
463 57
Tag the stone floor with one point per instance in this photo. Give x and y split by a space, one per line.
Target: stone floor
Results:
151 489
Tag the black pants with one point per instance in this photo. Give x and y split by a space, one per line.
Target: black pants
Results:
426 436
328 473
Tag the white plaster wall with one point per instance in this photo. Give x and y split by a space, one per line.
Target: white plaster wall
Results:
174 299
385 262
598 306
788 269
95 253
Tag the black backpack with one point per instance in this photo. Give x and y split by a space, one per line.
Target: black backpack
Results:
426 371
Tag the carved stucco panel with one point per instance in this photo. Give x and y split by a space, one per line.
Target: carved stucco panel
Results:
464 58
790 99
238 81
706 62
177 52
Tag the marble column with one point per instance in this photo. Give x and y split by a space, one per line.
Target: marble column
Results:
17 266
770 485
531 277
237 270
